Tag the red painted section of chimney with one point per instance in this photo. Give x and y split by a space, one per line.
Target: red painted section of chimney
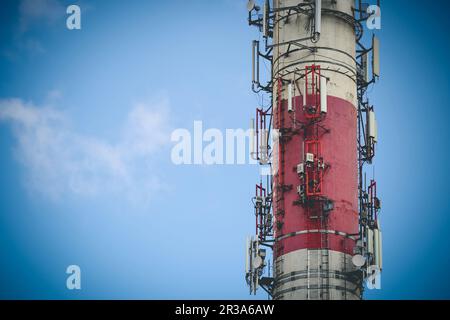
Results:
340 179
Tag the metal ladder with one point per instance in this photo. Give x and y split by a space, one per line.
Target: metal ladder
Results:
324 262
325 270
308 276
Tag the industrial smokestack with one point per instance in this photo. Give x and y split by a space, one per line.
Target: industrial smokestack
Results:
322 222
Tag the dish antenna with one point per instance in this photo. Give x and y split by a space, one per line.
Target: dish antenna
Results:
257 262
358 260
252 6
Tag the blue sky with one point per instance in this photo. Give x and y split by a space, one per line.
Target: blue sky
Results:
87 179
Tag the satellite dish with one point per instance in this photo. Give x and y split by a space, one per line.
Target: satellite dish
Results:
358 260
250 5
257 262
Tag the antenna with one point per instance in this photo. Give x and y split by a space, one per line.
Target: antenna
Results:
251 5
257 262
290 96
358 260
246 255
305 90
375 56
252 140
266 12
317 19
323 95
377 248
372 126
264 146
255 62
365 67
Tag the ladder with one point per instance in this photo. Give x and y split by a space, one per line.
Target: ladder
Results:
324 261
308 276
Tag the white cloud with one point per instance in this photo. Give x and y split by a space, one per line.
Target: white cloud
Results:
38 11
60 161
34 15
